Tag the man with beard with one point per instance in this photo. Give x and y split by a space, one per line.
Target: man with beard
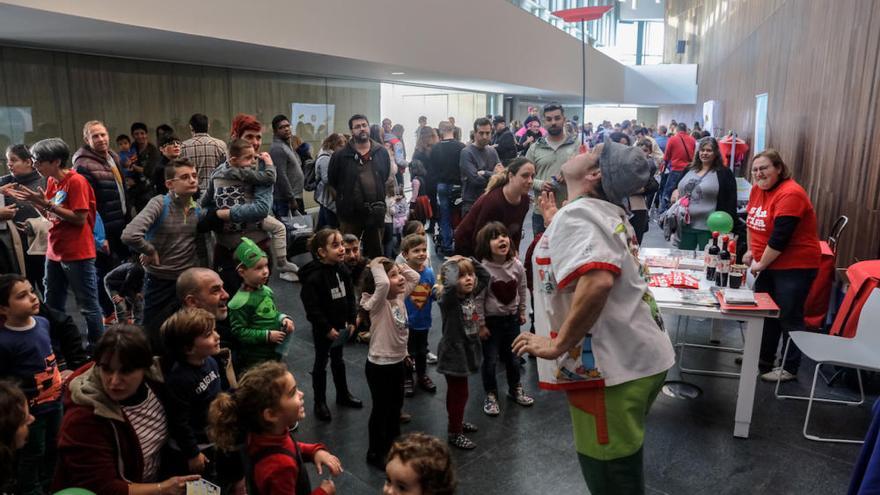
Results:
478 161
548 154
358 173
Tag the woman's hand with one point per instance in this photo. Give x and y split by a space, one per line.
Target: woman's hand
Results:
326 459
756 267
8 212
747 258
535 345
547 202
176 484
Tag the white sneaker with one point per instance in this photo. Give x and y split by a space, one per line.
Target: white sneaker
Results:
778 374
289 276
431 358
287 267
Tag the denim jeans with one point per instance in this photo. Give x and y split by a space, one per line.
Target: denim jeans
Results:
789 289
671 184
445 205
83 279
158 293
503 330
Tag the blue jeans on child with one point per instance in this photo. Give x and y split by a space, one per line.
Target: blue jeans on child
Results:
503 330
82 277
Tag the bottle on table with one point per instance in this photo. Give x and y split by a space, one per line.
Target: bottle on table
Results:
722 268
712 257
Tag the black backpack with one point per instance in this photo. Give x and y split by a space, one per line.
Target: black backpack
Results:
310 175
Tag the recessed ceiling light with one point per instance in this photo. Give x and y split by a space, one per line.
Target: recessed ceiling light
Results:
398 73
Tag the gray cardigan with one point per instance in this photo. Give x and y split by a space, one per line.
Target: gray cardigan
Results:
460 352
289 181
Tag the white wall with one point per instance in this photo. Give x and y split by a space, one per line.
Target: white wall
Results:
662 84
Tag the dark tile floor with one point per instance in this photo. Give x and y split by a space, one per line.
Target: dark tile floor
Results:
689 445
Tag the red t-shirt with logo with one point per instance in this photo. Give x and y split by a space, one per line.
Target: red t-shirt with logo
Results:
69 242
787 199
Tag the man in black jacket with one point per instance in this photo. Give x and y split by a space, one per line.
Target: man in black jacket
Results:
503 140
446 173
358 173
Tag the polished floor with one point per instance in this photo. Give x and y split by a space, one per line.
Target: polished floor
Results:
689 446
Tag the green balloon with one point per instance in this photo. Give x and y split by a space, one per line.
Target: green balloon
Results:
75 491
720 221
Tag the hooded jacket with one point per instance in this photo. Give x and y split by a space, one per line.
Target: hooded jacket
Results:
328 296
98 448
106 183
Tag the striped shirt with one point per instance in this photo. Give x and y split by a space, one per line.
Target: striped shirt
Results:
151 427
205 153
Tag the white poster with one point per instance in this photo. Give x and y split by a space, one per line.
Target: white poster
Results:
710 118
760 123
311 121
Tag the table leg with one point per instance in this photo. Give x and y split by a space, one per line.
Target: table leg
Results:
748 377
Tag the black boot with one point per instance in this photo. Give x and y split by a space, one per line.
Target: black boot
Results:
322 412
343 396
347 400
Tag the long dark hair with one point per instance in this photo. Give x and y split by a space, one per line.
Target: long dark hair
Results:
488 233
697 165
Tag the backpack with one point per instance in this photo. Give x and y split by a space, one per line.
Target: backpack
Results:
303 486
310 176
166 205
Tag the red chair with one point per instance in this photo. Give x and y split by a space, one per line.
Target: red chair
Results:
819 297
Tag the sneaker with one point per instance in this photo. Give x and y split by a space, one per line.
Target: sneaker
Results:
461 441
409 388
468 427
431 358
778 374
519 395
490 405
426 384
288 276
287 267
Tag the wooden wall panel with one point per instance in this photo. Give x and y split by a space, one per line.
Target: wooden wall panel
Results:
819 62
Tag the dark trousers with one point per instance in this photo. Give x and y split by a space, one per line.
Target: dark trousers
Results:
639 222
281 208
386 390
456 399
327 218
502 330
158 293
417 346
371 237
105 262
325 352
36 460
789 289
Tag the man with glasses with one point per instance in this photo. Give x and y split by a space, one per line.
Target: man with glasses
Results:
99 165
548 154
358 173
164 232
170 148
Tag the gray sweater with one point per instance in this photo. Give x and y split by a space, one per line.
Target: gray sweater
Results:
476 167
290 180
174 239
460 352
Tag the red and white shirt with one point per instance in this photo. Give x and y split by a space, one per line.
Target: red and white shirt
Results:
787 199
628 340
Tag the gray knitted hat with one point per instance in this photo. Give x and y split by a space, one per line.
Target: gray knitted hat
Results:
625 171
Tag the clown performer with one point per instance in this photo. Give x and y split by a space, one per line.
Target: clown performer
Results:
603 340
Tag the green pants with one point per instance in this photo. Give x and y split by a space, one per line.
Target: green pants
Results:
693 238
609 432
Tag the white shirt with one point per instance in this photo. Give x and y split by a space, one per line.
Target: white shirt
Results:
628 340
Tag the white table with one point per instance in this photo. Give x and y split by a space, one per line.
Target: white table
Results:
748 377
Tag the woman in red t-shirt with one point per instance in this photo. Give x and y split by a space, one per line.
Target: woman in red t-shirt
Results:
784 254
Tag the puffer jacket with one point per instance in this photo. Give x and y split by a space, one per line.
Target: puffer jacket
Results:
98 171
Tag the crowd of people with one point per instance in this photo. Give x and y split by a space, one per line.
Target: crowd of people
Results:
168 251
